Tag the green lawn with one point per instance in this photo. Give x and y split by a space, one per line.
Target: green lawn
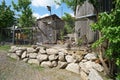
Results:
5 47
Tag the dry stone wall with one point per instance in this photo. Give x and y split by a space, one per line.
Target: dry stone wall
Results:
84 65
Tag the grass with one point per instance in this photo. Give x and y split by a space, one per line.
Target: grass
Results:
34 66
5 47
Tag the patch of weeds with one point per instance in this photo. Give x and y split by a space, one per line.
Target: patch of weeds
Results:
39 68
118 77
5 47
34 66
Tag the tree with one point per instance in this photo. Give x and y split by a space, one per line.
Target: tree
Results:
25 17
69 23
73 3
7 18
109 28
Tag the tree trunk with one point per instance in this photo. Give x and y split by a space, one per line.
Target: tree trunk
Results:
103 63
101 57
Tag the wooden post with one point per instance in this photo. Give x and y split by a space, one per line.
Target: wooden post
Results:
13 38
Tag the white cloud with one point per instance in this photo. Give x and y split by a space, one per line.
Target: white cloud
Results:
39 16
72 14
44 15
44 3
36 15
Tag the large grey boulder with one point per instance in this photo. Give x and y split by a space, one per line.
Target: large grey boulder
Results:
54 63
69 58
97 67
86 66
13 49
46 64
53 57
62 65
91 56
24 54
63 50
37 48
93 75
78 58
84 60
42 57
19 52
34 46
42 51
31 50
25 59
83 75
73 67
33 61
22 48
32 55
52 51
14 56
61 56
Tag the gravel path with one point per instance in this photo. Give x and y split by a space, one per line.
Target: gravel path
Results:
11 69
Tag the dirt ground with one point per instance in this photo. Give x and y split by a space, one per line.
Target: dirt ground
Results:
11 69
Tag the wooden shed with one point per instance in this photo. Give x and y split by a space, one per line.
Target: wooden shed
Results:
48 29
85 16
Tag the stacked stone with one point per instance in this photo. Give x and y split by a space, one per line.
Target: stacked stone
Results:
83 64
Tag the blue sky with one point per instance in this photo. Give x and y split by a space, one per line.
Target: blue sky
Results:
40 10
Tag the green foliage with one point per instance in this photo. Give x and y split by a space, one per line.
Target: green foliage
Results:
79 42
5 47
69 23
109 27
73 3
7 19
25 17
118 77
6 16
61 34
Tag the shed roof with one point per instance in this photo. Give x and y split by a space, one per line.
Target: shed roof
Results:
86 16
53 16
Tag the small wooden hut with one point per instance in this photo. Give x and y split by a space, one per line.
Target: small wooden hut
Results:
48 29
